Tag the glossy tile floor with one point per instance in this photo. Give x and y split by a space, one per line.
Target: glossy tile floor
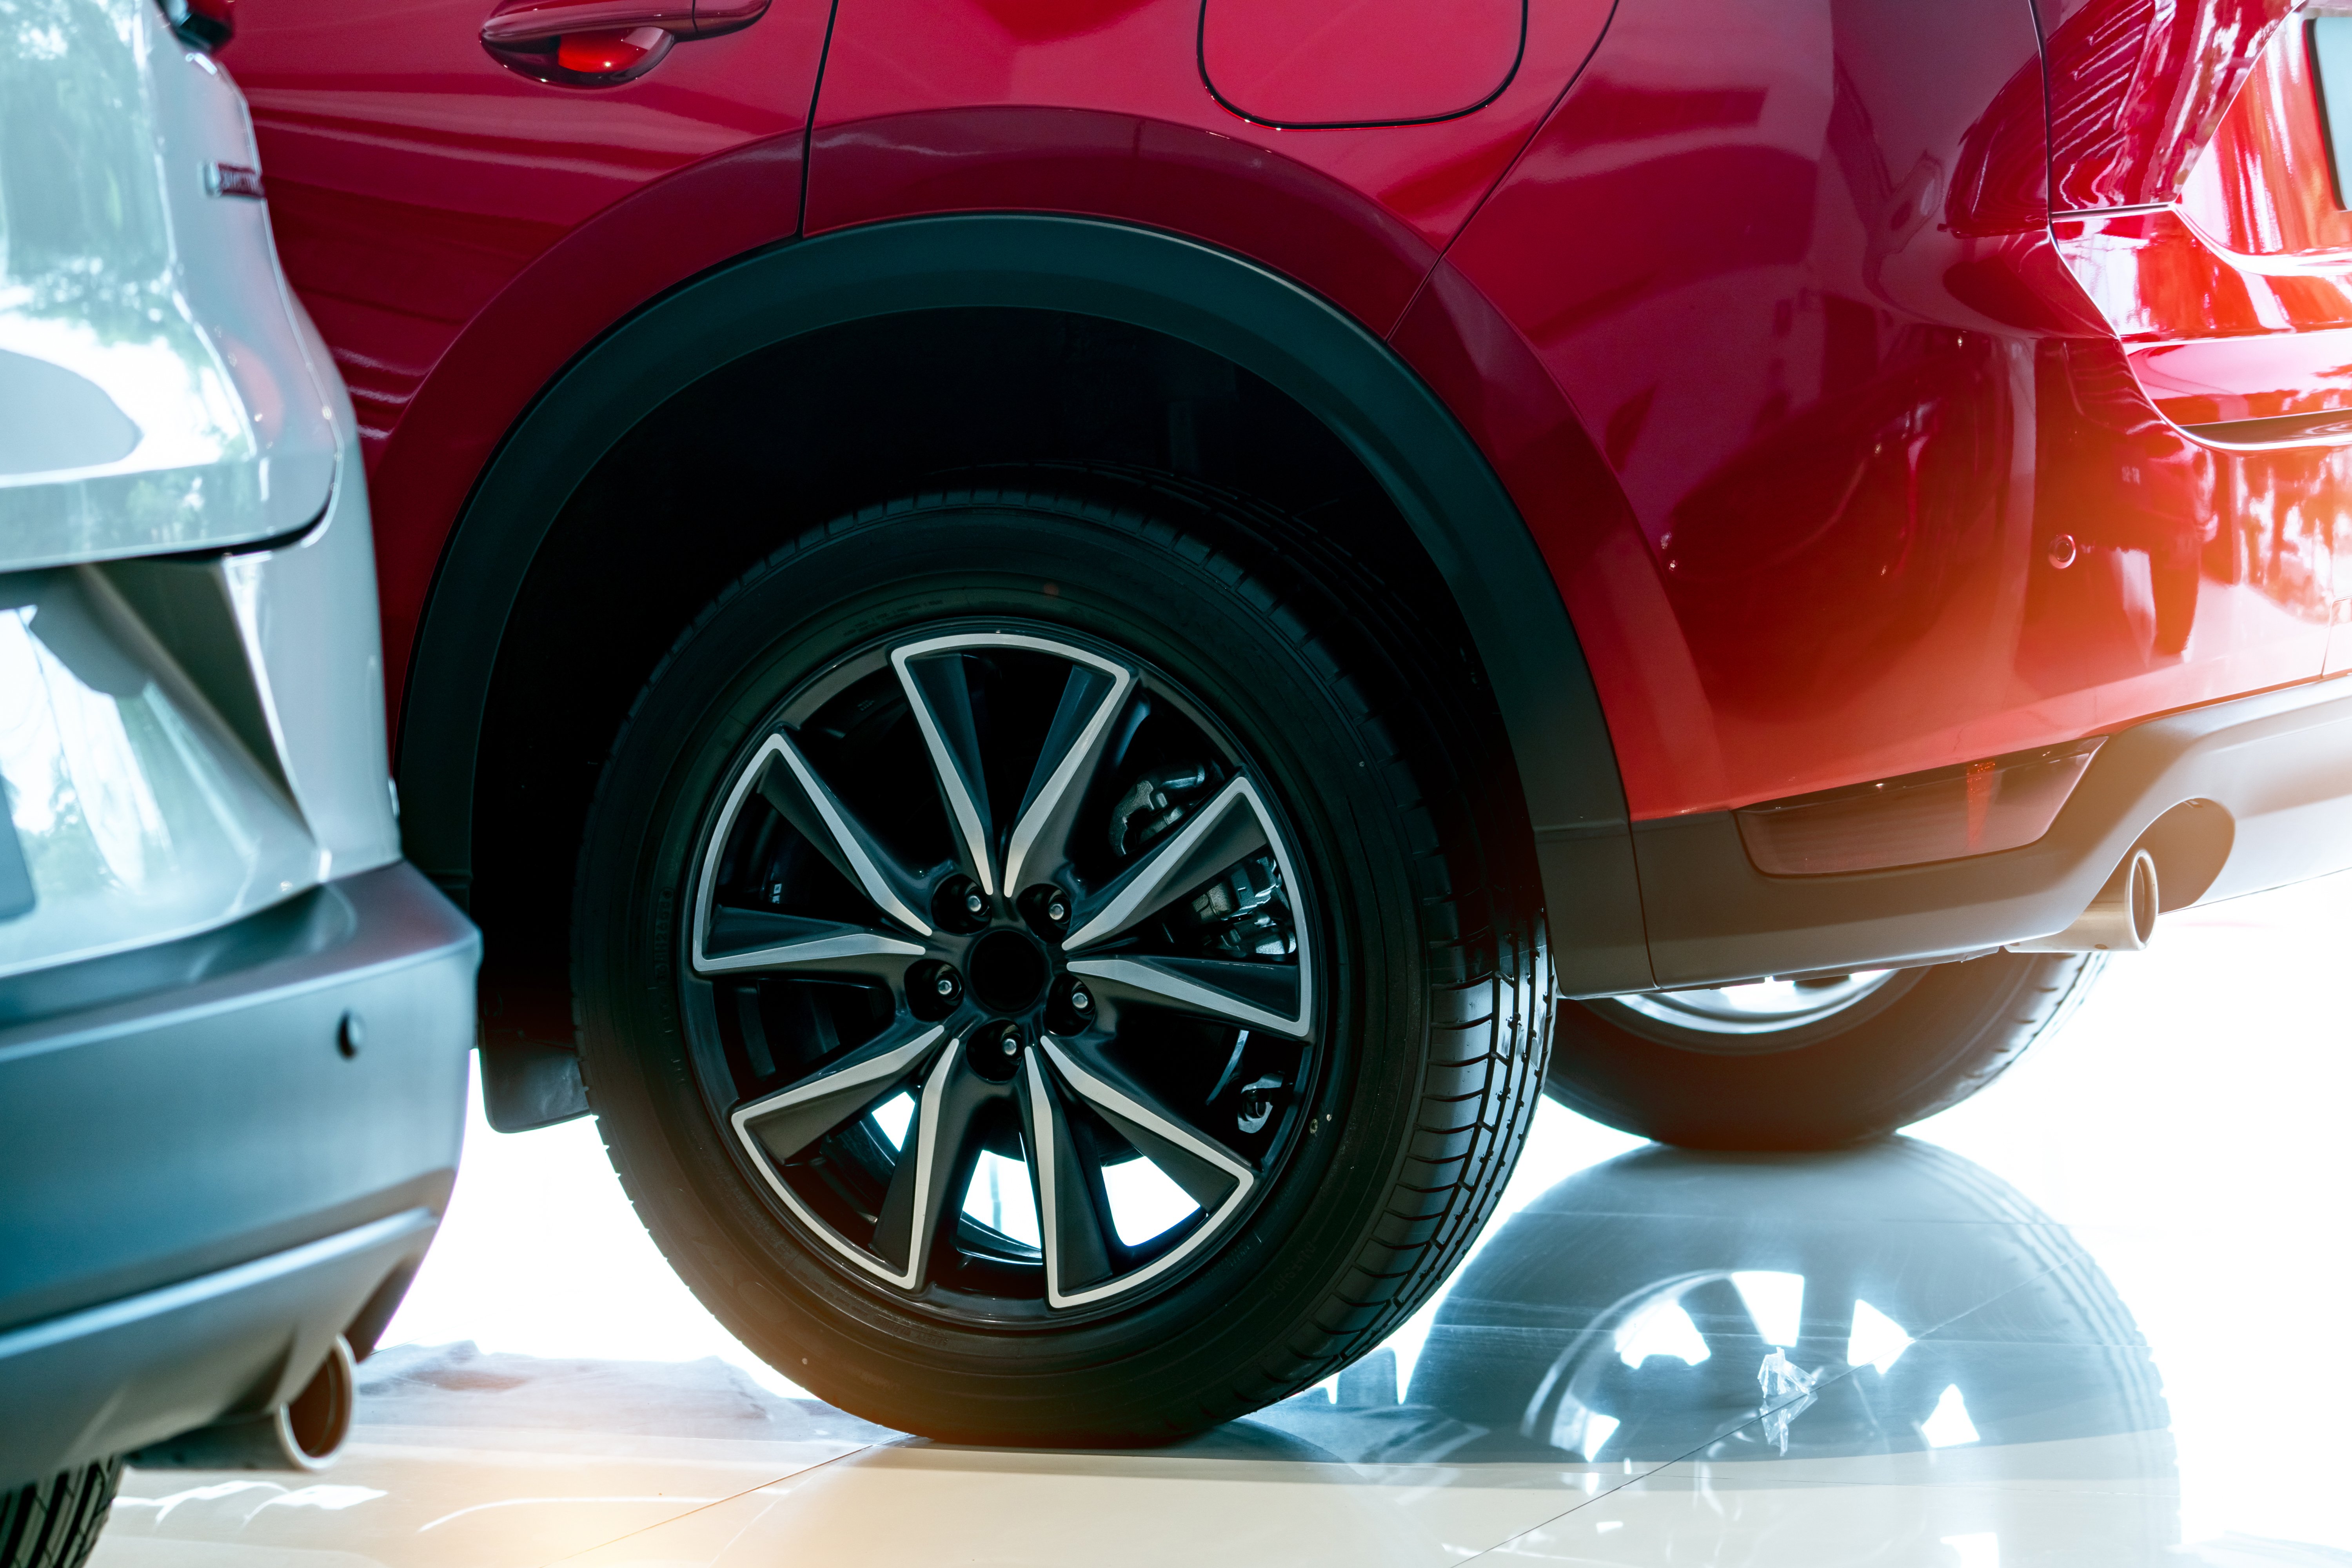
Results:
2087 1319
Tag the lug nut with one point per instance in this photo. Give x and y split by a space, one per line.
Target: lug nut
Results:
1046 908
946 983
959 904
996 1051
1079 1001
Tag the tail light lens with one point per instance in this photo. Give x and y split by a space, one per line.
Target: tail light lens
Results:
2137 86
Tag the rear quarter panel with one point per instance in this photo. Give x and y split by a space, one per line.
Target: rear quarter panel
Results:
1792 265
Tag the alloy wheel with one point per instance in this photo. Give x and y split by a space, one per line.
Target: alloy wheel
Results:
1763 1007
1000 974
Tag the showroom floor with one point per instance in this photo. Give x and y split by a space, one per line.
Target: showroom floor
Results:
2083 1320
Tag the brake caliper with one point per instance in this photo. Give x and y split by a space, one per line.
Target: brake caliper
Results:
1158 801
1246 913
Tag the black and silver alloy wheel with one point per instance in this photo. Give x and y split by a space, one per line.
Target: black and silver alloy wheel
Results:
1764 1015
1816 1062
1058 962
1052 986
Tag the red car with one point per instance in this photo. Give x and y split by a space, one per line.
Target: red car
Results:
1041 631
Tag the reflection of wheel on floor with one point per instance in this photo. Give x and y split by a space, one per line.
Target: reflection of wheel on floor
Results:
1880 1300
1039 980
1810 1064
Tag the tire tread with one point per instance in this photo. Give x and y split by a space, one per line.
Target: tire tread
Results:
55 1523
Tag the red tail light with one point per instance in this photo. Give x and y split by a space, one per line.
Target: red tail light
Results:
2137 87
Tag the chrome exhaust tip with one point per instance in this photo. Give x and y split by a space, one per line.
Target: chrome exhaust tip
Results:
2120 920
304 1434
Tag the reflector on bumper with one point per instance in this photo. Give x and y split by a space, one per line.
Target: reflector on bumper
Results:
1944 813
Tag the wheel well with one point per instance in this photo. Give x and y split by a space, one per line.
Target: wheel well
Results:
781 440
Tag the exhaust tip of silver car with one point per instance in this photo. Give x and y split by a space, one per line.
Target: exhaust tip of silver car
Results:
305 1432
2120 920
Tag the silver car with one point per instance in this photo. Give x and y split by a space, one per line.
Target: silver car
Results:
233 1022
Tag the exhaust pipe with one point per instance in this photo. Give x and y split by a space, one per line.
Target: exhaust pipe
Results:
305 1434
2120 920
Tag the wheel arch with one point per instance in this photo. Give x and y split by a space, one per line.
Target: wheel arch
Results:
1417 453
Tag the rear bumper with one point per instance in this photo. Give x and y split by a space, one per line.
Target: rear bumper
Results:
199 1187
2273 774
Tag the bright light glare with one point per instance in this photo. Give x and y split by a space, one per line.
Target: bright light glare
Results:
893 1115
1663 1329
1947 1425
1775 996
1775 1301
1143 1201
1876 1340
999 1197
1982 1550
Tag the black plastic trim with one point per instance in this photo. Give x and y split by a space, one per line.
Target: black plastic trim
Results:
2278 763
531 1084
1405 437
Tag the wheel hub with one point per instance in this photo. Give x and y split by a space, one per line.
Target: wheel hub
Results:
1009 971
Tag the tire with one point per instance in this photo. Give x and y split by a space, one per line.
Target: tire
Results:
1339 1105
55 1523
1817 1065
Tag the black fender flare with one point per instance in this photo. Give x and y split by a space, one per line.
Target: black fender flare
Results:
1409 442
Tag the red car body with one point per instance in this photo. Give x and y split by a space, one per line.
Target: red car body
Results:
1886 387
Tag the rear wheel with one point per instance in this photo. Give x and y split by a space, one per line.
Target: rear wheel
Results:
1809 1064
55 1523
1041 978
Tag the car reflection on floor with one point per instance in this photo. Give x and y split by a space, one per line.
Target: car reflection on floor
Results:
1887 1357
1699 1324
1727 1323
